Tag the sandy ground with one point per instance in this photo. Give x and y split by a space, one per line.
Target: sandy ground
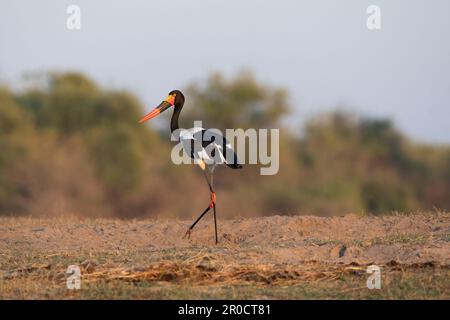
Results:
268 250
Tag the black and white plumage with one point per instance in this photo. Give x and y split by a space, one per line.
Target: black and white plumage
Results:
206 147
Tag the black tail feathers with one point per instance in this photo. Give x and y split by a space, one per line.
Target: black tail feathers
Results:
234 165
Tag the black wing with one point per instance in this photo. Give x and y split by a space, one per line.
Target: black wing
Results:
217 145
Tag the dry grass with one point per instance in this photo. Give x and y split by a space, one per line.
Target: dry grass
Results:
201 279
295 258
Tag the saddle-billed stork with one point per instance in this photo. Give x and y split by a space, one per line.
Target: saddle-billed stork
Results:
207 148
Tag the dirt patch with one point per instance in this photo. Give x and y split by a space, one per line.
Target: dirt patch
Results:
272 251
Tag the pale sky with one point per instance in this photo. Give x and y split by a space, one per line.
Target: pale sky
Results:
321 51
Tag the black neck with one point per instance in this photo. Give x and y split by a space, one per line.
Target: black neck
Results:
174 121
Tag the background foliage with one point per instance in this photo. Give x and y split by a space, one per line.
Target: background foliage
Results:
68 146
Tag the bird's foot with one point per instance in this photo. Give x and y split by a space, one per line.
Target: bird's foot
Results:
187 234
213 199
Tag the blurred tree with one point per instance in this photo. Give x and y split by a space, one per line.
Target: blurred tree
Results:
69 146
118 158
15 130
240 102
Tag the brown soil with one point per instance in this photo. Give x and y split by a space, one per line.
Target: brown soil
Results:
271 250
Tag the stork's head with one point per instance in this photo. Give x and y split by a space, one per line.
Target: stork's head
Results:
174 99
